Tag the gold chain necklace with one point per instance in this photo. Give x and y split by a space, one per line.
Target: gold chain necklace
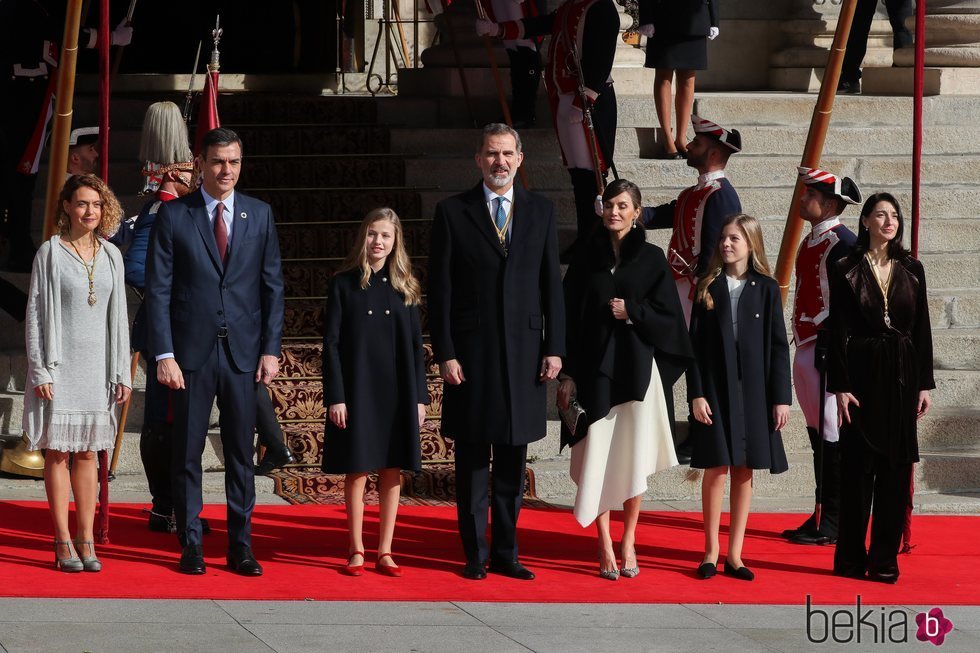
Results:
883 285
89 269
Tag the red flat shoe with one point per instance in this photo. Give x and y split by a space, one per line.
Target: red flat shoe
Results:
354 570
392 570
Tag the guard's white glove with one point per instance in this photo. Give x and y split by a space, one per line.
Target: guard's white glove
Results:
713 33
123 34
599 205
487 28
645 30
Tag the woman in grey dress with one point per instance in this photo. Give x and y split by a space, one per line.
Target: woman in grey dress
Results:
77 359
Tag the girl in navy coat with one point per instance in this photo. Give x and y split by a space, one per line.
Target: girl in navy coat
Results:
374 382
739 388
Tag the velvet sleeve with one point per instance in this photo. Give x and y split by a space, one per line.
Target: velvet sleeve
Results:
922 331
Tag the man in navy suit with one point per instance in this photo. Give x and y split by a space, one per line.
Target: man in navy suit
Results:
215 306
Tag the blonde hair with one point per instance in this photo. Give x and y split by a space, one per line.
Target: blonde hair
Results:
752 231
111 210
399 264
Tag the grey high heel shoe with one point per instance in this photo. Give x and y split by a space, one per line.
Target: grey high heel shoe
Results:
630 572
610 574
89 563
70 564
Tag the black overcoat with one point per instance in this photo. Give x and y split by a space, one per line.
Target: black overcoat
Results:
372 388
741 384
884 367
679 17
498 313
609 359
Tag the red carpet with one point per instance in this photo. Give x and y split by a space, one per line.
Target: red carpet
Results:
302 548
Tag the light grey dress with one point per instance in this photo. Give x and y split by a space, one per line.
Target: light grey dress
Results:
81 349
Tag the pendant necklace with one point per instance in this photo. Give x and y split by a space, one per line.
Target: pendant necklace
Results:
883 285
89 270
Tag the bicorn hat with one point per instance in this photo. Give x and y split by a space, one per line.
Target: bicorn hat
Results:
843 188
83 136
729 137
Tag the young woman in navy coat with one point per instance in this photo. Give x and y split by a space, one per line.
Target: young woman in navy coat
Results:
740 387
374 383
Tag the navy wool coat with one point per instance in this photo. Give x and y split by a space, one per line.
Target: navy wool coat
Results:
740 383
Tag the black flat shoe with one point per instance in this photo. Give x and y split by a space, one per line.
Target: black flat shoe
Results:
474 571
671 156
742 573
242 562
707 569
512 570
274 460
192 560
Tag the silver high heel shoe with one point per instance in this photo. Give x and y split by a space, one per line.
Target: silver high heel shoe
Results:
70 564
611 574
90 563
630 572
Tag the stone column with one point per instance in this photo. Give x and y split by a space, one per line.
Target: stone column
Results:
952 55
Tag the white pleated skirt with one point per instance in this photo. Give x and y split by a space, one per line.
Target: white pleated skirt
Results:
620 452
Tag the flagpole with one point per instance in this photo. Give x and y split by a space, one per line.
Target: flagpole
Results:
58 160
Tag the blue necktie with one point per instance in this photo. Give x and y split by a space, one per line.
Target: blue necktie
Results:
501 217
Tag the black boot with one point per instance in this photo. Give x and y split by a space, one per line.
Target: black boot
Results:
810 524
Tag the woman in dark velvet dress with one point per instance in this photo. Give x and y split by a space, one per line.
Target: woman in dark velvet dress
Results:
677 34
740 388
881 371
373 378
627 347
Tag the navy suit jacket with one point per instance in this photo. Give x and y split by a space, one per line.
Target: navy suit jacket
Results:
190 295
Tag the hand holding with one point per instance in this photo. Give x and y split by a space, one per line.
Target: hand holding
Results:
701 410
45 391
780 415
421 415
169 374
123 34
924 404
451 372
713 33
618 307
268 369
122 393
566 390
338 415
599 205
550 367
844 400
486 27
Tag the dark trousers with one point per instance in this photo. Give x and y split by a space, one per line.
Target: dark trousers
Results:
584 185
827 473
875 489
235 391
506 489
857 40
525 77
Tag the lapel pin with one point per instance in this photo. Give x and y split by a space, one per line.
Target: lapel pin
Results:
244 215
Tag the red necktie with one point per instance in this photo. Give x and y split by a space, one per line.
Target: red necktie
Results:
221 232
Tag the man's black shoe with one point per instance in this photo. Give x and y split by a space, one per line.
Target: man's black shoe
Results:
192 560
809 525
274 460
849 88
512 570
241 561
474 571
812 537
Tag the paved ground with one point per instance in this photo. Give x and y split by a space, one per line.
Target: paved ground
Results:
129 626
31 625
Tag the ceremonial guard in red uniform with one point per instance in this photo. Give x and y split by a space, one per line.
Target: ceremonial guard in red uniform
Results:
824 199
578 74
525 59
696 216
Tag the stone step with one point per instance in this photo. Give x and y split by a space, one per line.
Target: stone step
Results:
443 82
936 472
726 108
546 170
842 140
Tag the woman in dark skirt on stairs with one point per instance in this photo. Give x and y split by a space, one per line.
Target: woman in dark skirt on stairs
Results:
374 382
